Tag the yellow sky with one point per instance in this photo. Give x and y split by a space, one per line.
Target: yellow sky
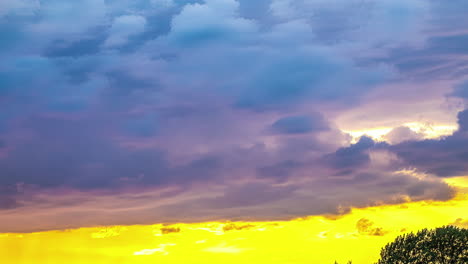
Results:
357 236
425 130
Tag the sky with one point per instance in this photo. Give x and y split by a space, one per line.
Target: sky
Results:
136 114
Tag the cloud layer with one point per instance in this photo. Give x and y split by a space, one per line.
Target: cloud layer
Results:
234 106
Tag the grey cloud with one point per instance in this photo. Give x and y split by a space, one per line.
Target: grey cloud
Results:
258 10
317 196
299 124
122 91
435 59
82 154
280 171
318 192
252 194
449 15
187 98
79 48
443 157
355 156
401 134
342 21
445 39
7 197
454 44
123 28
462 122
461 90
305 75
141 126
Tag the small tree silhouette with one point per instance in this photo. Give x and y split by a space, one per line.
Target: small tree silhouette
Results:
445 245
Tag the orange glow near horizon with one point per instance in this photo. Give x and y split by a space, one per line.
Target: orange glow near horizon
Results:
357 236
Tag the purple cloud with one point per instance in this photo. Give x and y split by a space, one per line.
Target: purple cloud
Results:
233 106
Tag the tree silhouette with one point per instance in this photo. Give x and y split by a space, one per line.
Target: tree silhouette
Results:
444 245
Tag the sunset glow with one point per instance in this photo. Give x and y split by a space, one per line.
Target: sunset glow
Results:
356 236
232 131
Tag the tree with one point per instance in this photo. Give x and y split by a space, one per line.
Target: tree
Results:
444 245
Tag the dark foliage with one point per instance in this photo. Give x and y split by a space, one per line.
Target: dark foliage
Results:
445 245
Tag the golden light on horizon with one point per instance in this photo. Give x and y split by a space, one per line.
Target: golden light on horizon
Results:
229 131
356 236
425 130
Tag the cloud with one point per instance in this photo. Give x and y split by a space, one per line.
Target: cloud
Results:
18 7
236 227
366 227
452 44
170 230
217 99
254 9
383 22
299 124
443 157
460 223
435 60
280 171
402 134
123 28
251 195
72 19
273 79
449 16
354 156
144 126
79 48
7 197
219 202
306 74
216 21
82 154
463 121
461 90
